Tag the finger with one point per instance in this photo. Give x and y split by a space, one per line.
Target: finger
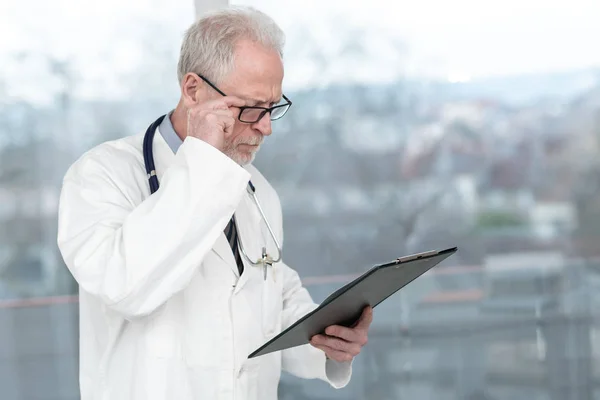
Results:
223 119
202 113
227 113
226 102
233 101
365 319
226 122
222 103
336 355
224 112
337 344
348 334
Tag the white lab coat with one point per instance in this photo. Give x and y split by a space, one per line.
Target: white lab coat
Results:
164 313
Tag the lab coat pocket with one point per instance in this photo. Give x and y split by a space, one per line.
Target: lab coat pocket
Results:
272 303
248 379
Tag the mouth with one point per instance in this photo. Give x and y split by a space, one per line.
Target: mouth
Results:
249 146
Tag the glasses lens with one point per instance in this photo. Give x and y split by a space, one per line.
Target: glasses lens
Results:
279 112
251 115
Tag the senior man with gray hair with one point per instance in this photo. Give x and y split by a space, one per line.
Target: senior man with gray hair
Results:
164 234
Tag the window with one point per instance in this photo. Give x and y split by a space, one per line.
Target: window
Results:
74 73
429 124
415 125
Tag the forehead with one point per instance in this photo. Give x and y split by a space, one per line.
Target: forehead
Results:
257 73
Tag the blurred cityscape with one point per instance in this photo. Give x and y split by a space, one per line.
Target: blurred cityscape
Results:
365 174
505 168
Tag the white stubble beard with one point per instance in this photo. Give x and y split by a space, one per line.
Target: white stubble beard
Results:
242 158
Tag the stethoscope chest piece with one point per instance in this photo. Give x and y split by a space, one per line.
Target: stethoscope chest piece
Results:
267 261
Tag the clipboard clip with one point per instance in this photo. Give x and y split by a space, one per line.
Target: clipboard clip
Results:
416 256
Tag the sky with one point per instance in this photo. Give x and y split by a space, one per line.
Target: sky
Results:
457 40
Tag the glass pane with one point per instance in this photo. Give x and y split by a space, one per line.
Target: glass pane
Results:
74 73
429 124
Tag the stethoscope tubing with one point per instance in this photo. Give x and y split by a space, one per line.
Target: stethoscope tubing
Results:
154 185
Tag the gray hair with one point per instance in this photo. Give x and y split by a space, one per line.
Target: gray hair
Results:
209 44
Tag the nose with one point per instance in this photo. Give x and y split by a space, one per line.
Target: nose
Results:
263 125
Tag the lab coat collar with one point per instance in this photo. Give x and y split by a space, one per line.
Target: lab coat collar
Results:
163 155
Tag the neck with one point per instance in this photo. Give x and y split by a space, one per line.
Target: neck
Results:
179 121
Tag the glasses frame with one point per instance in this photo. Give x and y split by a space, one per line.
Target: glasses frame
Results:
263 110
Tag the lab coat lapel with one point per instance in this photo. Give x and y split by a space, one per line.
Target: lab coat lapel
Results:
163 157
223 250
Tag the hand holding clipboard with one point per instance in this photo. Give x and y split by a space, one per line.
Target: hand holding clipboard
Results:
345 306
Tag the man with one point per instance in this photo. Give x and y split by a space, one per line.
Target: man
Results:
170 306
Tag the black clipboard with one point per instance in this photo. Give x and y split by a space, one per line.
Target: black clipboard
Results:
345 305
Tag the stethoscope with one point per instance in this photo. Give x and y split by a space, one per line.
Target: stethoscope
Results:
265 260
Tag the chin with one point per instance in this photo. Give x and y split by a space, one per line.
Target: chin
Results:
243 158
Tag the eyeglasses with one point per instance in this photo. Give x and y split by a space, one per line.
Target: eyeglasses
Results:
251 115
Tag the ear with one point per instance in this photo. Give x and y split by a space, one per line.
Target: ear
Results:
191 86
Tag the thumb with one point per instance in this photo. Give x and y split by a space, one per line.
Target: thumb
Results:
366 318
232 101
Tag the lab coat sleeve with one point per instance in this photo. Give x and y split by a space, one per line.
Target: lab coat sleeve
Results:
135 257
307 361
